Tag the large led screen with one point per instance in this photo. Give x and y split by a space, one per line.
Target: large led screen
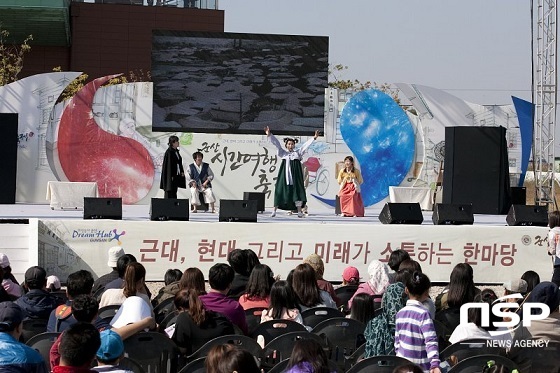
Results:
238 83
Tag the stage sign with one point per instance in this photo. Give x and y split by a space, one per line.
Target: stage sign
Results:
495 253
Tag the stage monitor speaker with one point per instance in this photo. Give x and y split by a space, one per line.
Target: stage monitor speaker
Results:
527 215
518 195
445 214
8 154
238 210
476 169
401 213
257 196
169 209
102 208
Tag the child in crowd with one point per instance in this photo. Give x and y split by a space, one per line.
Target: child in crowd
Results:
415 334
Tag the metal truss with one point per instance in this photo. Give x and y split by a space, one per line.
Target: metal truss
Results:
545 93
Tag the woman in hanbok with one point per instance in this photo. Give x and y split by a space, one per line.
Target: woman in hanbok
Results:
350 178
290 188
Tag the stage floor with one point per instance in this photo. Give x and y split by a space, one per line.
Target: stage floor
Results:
141 213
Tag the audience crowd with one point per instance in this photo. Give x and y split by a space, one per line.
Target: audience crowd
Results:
393 306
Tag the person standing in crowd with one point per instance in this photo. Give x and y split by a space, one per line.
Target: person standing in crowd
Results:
200 181
16 356
37 303
350 179
172 172
554 244
415 334
289 193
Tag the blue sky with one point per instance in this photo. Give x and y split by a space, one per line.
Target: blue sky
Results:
478 50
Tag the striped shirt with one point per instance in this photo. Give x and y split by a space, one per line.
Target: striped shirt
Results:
415 336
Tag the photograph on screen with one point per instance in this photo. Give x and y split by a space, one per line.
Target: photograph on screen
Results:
238 83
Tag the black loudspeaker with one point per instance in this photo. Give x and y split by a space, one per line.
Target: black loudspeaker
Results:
527 215
452 214
518 195
8 155
476 169
238 210
169 209
257 196
401 213
102 208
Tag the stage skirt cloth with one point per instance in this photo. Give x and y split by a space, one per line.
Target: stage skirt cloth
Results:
285 196
351 203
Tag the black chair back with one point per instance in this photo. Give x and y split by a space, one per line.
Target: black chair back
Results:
240 341
345 293
169 320
163 309
32 327
42 343
195 366
127 363
475 364
469 348
274 328
253 316
378 364
314 316
280 348
108 312
155 352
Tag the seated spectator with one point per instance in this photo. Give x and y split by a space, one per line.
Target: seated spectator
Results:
532 279
308 356
380 331
110 353
363 308
242 265
474 329
37 303
258 288
85 310
193 279
318 266
545 329
9 282
133 285
307 291
78 347
283 304
460 290
53 284
516 286
4 296
16 356
171 288
350 276
78 283
234 360
396 258
220 277
113 254
215 355
377 283
195 324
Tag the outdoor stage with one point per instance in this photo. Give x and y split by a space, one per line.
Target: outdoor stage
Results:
62 242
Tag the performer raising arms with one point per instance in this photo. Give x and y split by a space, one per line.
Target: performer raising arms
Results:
290 190
172 173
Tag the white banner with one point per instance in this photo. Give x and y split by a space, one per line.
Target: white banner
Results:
496 253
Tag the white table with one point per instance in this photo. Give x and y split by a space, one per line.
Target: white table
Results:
423 196
69 195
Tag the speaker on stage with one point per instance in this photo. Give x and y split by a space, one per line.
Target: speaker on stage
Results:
476 169
8 154
169 209
518 195
401 213
257 196
448 214
527 215
102 208
238 210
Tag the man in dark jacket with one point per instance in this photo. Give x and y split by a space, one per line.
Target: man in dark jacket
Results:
37 303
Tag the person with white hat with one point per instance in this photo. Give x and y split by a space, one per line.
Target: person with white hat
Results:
113 254
9 282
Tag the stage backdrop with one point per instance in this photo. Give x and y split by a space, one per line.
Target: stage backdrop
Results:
495 253
104 134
